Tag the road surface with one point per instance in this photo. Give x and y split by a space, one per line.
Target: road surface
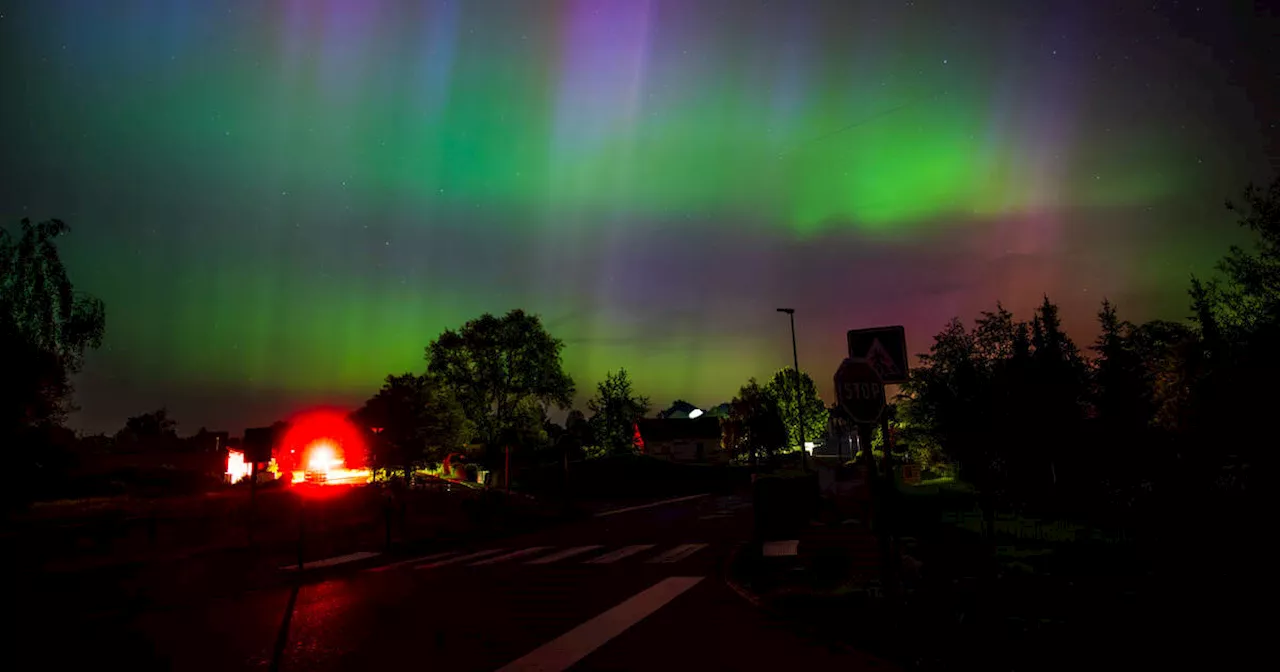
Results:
638 589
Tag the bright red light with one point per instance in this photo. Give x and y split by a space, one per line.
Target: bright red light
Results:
325 444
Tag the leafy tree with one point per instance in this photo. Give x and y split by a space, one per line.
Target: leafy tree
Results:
1238 316
577 435
615 409
154 431
1169 353
578 427
781 388
754 429
1250 299
1004 399
45 328
149 426
528 425
496 367
939 399
415 418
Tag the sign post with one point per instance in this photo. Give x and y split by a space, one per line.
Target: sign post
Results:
877 357
885 349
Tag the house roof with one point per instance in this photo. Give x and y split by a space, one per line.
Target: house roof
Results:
676 429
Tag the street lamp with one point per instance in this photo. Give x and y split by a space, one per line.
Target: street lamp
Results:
795 360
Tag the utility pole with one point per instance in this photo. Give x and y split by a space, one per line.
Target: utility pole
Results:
795 360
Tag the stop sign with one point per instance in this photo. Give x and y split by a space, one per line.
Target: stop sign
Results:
859 390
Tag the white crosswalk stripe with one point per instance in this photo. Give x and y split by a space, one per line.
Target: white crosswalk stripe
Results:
410 561
546 555
619 554
561 555
462 558
512 555
678 553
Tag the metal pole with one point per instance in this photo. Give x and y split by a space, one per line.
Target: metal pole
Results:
302 529
795 361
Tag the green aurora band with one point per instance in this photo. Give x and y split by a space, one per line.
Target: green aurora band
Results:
283 202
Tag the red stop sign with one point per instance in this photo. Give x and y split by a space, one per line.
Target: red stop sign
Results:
859 390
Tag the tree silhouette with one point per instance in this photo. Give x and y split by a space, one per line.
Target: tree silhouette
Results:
1121 396
414 418
148 431
754 429
615 409
1238 318
1005 399
577 435
498 368
45 327
781 389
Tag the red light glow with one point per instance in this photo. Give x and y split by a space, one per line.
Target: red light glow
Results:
321 457
325 447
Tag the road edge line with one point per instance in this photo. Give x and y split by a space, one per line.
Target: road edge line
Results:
335 561
726 575
650 505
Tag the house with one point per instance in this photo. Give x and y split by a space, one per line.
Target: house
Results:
692 440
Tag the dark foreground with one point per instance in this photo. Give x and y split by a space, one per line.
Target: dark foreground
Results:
647 594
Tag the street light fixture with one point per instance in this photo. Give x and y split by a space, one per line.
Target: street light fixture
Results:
795 360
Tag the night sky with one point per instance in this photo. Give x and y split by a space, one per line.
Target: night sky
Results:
282 202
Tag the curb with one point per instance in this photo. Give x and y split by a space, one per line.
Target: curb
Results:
726 574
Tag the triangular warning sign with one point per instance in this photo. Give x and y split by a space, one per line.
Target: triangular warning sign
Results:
880 360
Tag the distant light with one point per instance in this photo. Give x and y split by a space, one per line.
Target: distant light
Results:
237 468
809 446
323 458
695 413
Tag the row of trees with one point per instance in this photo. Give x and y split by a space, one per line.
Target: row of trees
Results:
767 420
494 382
1158 405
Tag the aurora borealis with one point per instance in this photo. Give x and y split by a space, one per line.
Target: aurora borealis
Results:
282 202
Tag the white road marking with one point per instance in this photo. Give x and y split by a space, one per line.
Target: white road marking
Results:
410 561
561 555
512 555
678 553
462 558
651 504
779 549
330 562
619 554
562 652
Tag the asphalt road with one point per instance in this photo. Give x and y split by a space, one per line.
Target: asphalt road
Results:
634 590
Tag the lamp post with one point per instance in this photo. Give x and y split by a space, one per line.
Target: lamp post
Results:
795 360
